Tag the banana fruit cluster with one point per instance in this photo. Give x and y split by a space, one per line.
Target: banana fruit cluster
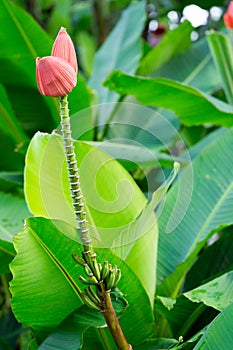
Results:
97 274
110 275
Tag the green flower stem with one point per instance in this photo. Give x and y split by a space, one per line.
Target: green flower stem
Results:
80 215
73 173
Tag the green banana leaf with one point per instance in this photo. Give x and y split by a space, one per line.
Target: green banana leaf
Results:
113 200
192 223
194 67
116 208
217 293
13 212
45 286
222 51
69 334
9 123
221 251
132 156
219 335
22 40
119 51
192 106
173 43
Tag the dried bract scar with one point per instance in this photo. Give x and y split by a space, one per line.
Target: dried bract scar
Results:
55 77
63 47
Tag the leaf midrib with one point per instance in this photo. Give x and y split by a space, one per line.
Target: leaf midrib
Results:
7 251
20 29
18 136
211 215
57 263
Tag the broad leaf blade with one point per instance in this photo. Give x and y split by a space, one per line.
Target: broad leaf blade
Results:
80 98
132 156
12 134
222 52
219 334
67 336
213 261
30 40
13 212
172 95
49 279
9 123
120 51
216 293
70 334
18 60
92 339
142 253
123 245
112 198
108 207
212 179
87 49
157 128
194 67
158 344
173 43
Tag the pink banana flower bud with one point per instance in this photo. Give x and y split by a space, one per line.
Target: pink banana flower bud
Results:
63 47
55 77
228 16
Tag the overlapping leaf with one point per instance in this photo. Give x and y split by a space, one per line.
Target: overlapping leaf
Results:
22 40
18 60
217 293
13 212
50 282
192 106
221 49
40 292
218 335
194 67
113 200
209 211
174 42
119 51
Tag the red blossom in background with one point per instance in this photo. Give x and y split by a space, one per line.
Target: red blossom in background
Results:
228 16
56 75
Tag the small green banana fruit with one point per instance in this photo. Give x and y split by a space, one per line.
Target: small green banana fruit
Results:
117 276
78 259
93 296
90 281
88 271
96 269
87 301
105 270
113 277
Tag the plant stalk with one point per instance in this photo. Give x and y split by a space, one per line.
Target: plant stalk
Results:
113 324
80 215
6 291
100 12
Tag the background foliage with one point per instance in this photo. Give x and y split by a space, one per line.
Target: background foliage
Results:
175 106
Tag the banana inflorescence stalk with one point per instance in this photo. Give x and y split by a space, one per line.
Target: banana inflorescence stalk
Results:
100 278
